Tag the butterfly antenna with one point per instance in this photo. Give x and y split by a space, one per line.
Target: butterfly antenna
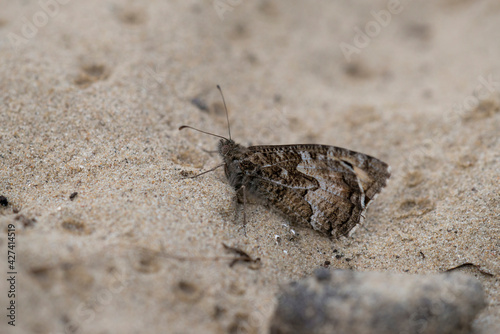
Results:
208 133
227 115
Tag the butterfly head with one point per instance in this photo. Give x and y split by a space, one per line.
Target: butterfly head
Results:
228 149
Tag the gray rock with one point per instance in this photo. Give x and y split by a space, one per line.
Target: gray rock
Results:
343 301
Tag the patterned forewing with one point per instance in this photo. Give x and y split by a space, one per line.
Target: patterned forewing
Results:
277 181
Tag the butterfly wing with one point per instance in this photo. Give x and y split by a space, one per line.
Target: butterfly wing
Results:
325 186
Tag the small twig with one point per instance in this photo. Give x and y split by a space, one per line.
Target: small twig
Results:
243 256
468 264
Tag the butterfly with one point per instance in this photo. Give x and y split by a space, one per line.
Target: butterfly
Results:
324 187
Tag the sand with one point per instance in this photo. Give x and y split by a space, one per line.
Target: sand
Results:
92 95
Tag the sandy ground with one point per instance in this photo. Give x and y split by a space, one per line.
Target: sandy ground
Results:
92 94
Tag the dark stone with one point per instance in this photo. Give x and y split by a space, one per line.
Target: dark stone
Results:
343 301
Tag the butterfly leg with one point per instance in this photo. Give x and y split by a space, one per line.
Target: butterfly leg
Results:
241 196
244 209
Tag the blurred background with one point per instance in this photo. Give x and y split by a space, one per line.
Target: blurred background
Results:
92 95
